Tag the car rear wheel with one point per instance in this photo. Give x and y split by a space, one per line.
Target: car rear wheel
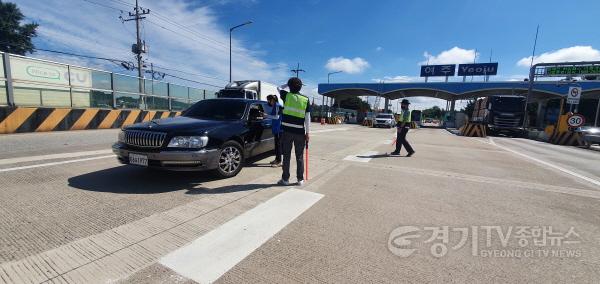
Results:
231 159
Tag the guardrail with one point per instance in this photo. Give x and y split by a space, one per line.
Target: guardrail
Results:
31 82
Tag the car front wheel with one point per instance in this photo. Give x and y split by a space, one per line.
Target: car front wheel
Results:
231 159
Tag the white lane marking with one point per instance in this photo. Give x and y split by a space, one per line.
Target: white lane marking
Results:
363 158
329 130
54 163
591 180
207 258
53 156
480 140
448 132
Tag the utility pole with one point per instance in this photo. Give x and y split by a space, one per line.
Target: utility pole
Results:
298 70
137 15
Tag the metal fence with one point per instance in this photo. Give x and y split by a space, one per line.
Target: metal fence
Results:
30 82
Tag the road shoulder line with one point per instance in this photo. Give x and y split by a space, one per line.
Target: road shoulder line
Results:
544 163
54 163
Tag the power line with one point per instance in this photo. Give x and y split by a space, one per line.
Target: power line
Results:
123 3
68 53
127 64
103 5
184 35
194 81
165 18
192 74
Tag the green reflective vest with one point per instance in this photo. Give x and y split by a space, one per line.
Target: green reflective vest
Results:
405 116
295 105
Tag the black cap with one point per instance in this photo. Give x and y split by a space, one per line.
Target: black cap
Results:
295 84
405 102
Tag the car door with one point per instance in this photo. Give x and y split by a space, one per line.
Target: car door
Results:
268 139
256 130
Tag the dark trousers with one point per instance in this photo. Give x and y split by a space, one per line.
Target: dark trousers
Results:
298 141
278 151
401 140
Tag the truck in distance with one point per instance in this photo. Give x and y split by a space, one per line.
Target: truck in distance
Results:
248 89
501 114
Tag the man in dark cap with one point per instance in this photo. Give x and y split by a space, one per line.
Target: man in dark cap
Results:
403 126
296 128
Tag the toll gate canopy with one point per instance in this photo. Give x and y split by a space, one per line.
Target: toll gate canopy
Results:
460 90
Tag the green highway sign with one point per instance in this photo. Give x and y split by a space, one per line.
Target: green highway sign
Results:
572 70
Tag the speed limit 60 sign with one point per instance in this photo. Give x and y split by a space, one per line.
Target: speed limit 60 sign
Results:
574 95
576 120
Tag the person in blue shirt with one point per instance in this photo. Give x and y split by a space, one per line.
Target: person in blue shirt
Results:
276 118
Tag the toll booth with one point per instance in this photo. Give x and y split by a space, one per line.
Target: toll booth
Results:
416 116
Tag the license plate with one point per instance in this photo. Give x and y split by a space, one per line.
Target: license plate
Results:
137 159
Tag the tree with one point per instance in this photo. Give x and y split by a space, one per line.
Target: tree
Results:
354 103
14 37
433 112
469 108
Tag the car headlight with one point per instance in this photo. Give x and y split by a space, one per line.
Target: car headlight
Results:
188 142
121 137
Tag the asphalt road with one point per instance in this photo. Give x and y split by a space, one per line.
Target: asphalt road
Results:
460 210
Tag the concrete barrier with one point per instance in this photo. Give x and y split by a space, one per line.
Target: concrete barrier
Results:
567 138
39 119
473 130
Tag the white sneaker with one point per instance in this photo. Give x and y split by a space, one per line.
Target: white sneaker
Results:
300 182
283 182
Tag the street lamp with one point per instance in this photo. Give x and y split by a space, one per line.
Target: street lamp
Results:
230 31
331 73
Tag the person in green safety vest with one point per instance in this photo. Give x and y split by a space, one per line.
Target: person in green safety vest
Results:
296 127
403 126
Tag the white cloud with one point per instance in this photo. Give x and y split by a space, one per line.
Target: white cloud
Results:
201 48
396 79
569 54
350 66
455 55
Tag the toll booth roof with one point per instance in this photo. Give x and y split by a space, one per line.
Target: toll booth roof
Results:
459 90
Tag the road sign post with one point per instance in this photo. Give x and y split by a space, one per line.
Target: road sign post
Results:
576 120
573 96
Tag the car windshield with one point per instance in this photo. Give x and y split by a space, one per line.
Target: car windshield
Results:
233 93
509 104
217 110
384 116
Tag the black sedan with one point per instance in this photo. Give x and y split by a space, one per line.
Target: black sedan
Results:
217 135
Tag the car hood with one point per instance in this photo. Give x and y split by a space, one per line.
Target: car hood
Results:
178 124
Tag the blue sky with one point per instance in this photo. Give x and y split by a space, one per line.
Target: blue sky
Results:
368 40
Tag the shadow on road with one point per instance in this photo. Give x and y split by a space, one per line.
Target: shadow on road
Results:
375 156
229 188
137 180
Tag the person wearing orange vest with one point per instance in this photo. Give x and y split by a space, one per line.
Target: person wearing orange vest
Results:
296 127
403 126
